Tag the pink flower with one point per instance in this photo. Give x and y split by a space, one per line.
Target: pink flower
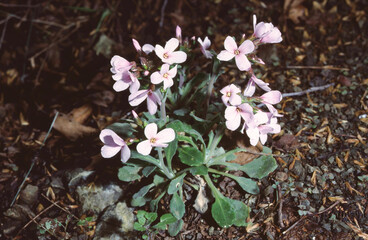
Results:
152 99
205 44
273 111
251 86
253 128
165 74
266 32
155 139
230 94
167 54
178 33
119 67
232 50
147 48
128 79
113 144
233 115
271 97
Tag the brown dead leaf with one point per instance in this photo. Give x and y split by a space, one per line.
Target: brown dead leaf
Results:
287 142
295 10
246 157
71 126
80 114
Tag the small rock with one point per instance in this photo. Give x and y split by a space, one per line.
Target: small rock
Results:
56 182
97 198
210 231
19 212
29 195
77 177
116 223
281 176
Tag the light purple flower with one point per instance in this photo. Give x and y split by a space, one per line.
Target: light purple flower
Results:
252 126
152 99
271 97
119 67
165 74
128 79
155 139
234 114
205 44
113 144
232 50
147 48
230 94
251 86
168 55
266 32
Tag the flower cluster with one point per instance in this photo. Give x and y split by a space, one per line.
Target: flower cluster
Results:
240 113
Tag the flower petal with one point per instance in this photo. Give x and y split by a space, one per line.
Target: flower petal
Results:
156 78
109 152
138 97
253 134
246 47
249 89
272 97
147 48
164 68
233 124
150 131
172 72
261 83
159 50
125 154
151 106
120 86
144 147
225 55
165 136
136 45
242 62
230 44
171 45
177 57
168 82
134 86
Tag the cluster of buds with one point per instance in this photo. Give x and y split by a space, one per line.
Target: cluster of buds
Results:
127 75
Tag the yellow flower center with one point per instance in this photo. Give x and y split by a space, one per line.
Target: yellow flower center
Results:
236 52
166 75
166 56
228 94
152 140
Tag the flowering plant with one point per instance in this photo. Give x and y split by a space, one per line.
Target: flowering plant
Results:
185 123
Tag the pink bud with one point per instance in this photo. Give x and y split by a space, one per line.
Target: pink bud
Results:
146 73
178 33
135 115
137 45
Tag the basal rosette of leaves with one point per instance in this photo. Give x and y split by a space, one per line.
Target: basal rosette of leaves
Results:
178 140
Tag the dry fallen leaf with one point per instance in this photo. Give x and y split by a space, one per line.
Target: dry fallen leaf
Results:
71 125
294 10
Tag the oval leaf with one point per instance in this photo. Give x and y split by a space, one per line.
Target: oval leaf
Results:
247 184
222 212
191 156
177 207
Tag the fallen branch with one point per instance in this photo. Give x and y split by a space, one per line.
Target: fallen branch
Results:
312 89
57 205
311 214
329 67
280 206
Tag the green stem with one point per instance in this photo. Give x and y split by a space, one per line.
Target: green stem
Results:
214 143
221 173
163 107
215 191
162 165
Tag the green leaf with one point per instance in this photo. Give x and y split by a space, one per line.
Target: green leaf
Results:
200 170
154 202
129 173
148 170
186 139
179 126
241 212
174 228
122 129
260 167
175 184
181 112
247 184
143 191
222 211
177 207
191 156
157 180
141 217
170 150
165 219
139 227
151 217
139 202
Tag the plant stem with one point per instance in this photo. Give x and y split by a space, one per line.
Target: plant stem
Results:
162 165
163 107
221 173
215 191
215 142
